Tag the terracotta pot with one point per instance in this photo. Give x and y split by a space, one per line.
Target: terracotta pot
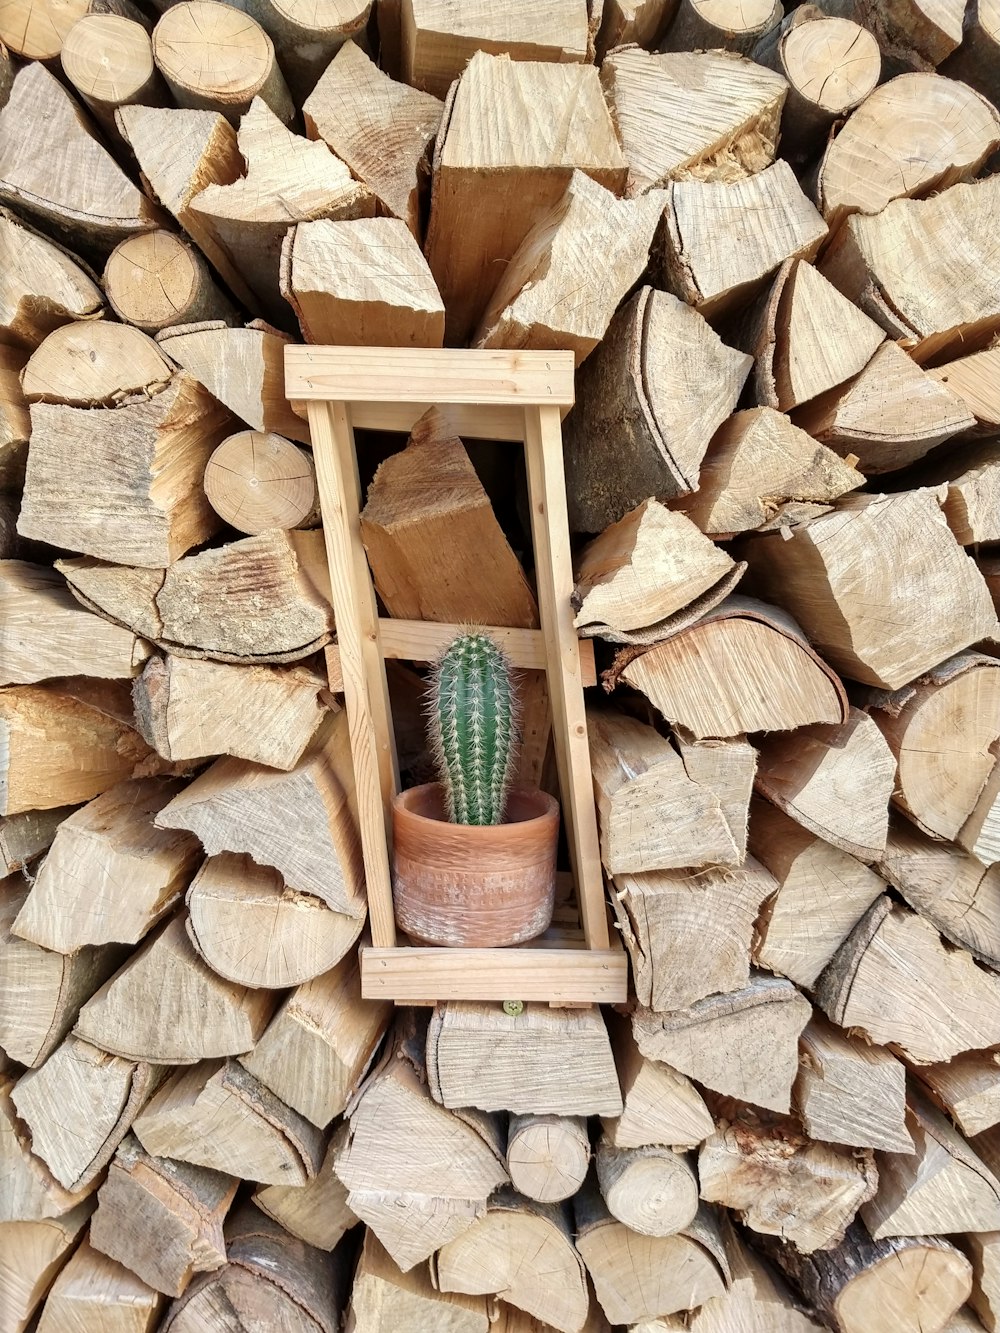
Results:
477 886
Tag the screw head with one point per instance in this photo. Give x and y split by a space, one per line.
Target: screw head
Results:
513 1007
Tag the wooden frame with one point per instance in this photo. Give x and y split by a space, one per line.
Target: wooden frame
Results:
517 396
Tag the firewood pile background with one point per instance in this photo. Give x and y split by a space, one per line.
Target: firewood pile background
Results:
770 240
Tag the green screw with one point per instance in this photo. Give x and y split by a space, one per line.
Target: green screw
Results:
513 1007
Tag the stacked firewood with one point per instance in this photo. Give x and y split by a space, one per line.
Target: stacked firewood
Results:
770 241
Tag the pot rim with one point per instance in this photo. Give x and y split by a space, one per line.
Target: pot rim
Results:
549 808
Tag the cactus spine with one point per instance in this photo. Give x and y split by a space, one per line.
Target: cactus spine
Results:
472 728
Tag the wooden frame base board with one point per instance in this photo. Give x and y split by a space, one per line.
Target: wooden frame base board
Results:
414 975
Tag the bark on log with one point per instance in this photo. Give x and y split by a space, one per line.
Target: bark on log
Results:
42 286
653 1191
307 36
547 1156
158 279
30 1191
727 25
109 61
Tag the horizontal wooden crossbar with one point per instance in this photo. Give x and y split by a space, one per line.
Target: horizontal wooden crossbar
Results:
408 975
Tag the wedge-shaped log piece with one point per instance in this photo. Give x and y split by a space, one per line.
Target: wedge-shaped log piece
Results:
158 279
834 780
897 983
547 1156
190 709
123 594
251 928
689 933
972 476
31 1254
921 268
110 874
288 180
383 1297
217 1115
42 286
50 634
915 135
25 836
976 380
94 1294
316 1212
161 1219
638 1278
29 1193
490 189
781 1183
625 22
628 438
651 1190
879 585
54 170
645 569
362 282
523 1252
941 1188
968 1088
744 1044
849 1092
529 1053
757 461
661 1106
743 667
823 893
94 363
300 822
380 128
692 115
124 483
723 238
243 368
568 275
166 1006
320 1043
79 1106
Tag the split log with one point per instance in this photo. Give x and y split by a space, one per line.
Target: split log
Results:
124 483
661 1106
110 874
781 1183
722 239
382 129
490 190
15 421
319 1044
217 1115
94 1294
975 62
188 709
744 1044
529 1052
25 836
547 1156
763 674
166 1006
363 282
880 1286
257 480
971 475
243 368
983 1250
849 1092
300 822
42 286
288 180
645 1277
254 930
757 461
647 569
889 415
50 634
158 279
835 781
910 615
31 1254
968 1088
974 379
215 59
437 42
162 1220
94 364
822 894
49 155
628 22
941 1188
64 746
79 1106
897 983
724 25
627 438
692 115
915 135
689 934
109 61
306 36
572 269
652 1191
382 1297
41 992
523 1252
30 1192
316 1212
892 266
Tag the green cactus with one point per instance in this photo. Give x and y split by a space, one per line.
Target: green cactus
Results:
473 723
